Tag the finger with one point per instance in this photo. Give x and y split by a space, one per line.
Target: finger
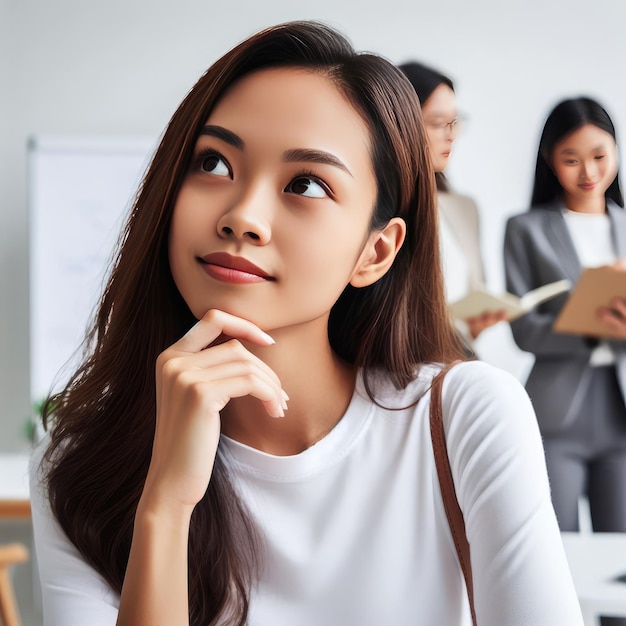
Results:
619 307
215 323
615 323
173 363
210 390
231 350
220 359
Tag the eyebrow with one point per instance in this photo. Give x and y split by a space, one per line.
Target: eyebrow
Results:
574 151
219 132
314 156
290 156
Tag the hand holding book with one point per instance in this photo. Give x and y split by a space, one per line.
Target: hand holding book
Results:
597 305
478 323
479 302
614 317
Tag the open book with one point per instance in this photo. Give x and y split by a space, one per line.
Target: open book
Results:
480 301
595 288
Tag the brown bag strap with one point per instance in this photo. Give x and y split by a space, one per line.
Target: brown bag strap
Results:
450 502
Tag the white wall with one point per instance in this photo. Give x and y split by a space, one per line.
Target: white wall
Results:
120 67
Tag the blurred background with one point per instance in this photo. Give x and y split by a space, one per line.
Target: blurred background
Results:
119 68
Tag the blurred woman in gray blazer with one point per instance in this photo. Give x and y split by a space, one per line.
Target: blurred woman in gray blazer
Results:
578 384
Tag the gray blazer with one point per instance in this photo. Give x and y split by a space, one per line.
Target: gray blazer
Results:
538 249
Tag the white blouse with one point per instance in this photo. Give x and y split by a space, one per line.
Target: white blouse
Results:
594 245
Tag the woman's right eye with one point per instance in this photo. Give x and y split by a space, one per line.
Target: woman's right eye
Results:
215 164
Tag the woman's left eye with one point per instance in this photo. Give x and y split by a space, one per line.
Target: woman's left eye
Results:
308 187
213 163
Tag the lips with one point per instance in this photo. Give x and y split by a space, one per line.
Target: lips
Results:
232 269
587 186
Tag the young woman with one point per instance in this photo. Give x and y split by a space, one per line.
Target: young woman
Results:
578 384
283 252
460 237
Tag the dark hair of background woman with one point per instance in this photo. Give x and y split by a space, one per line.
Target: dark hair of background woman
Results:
425 80
103 422
566 117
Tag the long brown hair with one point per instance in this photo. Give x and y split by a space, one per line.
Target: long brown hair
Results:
103 422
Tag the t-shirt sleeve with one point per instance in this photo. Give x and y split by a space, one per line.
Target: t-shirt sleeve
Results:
521 575
73 593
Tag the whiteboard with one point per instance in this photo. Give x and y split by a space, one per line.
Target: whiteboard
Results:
80 191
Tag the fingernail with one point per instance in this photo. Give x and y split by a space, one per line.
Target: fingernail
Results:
268 338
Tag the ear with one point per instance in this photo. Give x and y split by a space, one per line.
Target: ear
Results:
379 253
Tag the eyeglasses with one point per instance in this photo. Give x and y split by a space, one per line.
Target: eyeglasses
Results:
447 128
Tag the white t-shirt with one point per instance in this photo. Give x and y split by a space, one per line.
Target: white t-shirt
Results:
591 234
355 530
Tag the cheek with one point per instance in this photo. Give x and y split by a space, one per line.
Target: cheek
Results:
436 146
611 172
324 259
176 236
565 175
190 220
434 141
185 229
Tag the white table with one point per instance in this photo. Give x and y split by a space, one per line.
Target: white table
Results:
595 559
14 490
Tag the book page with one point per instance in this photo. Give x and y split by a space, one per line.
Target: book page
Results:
480 301
546 292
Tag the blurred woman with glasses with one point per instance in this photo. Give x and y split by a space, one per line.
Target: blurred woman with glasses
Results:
460 239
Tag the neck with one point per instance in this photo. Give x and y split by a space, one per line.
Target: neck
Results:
319 385
591 205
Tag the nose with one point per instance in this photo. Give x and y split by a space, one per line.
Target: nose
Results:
247 220
587 170
583 172
450 133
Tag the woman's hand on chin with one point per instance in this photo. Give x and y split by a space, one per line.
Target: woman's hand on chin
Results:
195 378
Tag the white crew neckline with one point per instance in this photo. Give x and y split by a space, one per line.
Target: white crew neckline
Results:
329 450
583 215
